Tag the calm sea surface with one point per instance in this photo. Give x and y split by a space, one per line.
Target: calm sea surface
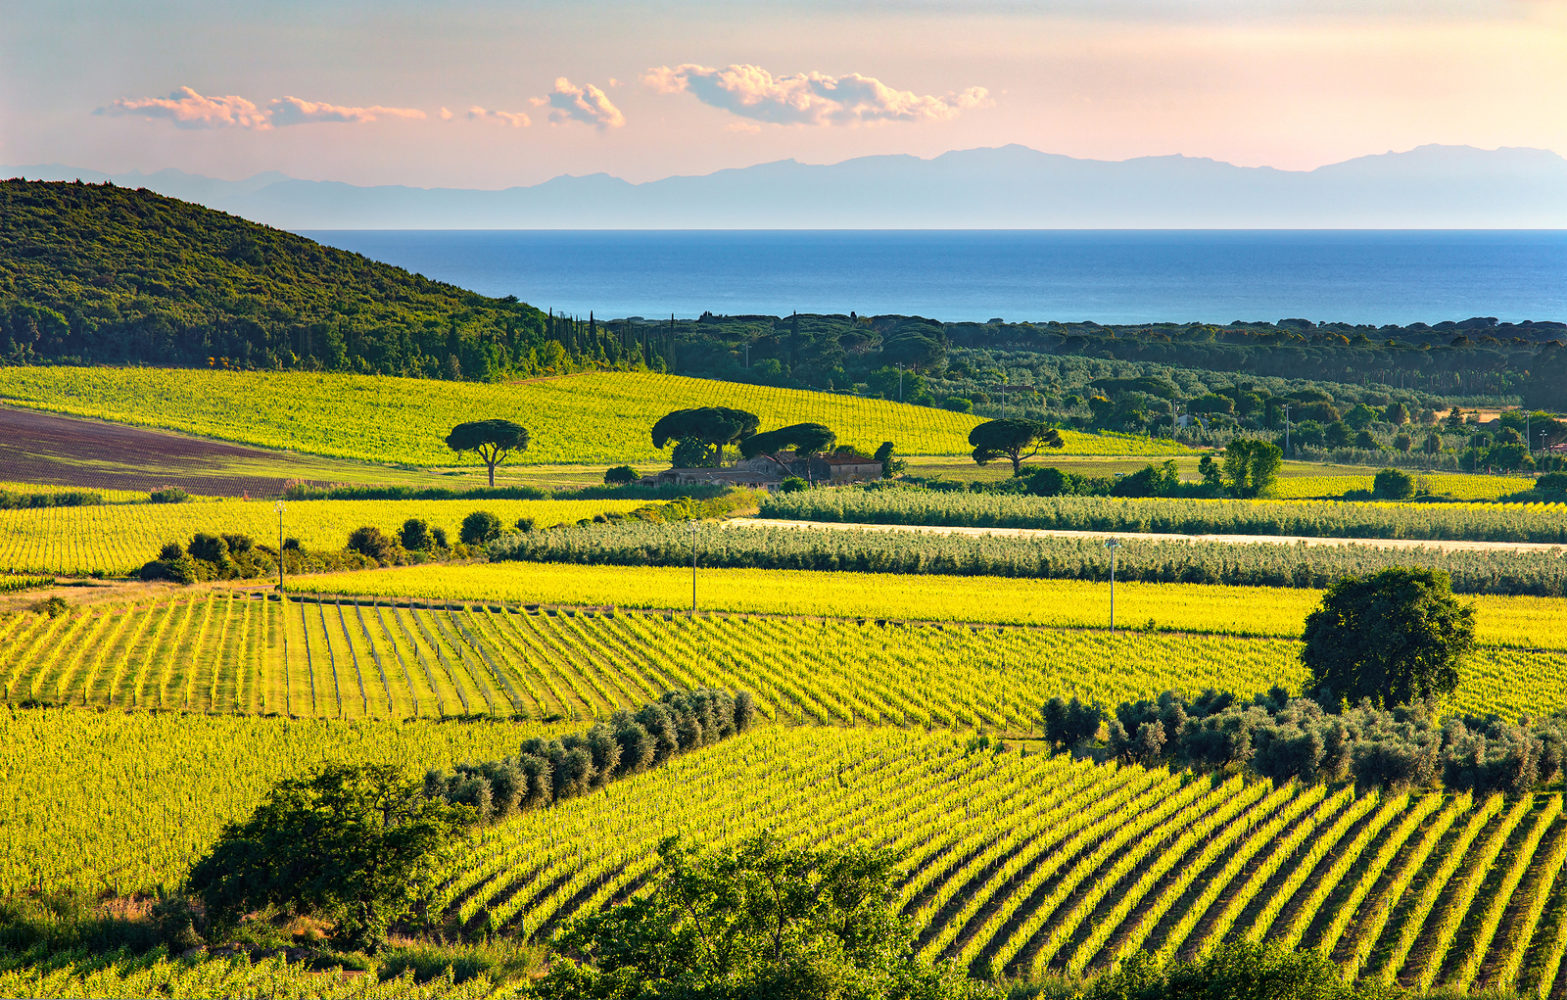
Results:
1111 277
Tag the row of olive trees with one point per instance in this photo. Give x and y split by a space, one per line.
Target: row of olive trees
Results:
548 770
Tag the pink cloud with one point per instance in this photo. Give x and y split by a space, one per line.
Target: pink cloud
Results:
188 109
809 98
587 104
294 111
516 119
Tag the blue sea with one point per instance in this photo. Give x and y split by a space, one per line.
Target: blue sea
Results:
1376 277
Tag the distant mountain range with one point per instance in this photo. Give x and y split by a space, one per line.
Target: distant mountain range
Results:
1010 187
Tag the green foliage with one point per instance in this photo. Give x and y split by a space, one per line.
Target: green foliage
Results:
1394 638
620 475
1393 484
480 528
1251 467
373 543
759 920
492 440
890 466
1235 970
1068 724
711 427
1012 439
107 275
357 845
169 494
805 439
793 484
415 535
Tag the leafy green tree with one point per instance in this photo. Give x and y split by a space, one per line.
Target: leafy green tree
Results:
806 439
1395 637
1012 439
480 528
1251 467
713 427
371 541
491 440
1393 484
359 846
890 466
758 920
416 536
1396 414
1235 970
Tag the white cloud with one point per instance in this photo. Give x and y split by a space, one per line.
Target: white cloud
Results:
809 98
294 111
587 104
516 119
188 109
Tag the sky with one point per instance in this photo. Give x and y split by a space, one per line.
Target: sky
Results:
493 94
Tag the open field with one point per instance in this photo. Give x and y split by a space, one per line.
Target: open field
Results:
224 651
117 539
599 417
1527 622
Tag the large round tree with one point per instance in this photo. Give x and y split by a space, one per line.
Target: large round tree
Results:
713 427
1012 439
1395 637
493 440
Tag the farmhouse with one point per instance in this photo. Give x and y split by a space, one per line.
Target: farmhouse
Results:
817 468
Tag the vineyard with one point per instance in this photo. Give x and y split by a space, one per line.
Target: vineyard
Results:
1016 861
1026 863
117 539
1531 522
1526 622
152 789
838 547
1461 486
157 975
346 659
601 417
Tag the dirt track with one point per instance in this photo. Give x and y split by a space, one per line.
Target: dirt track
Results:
1380 543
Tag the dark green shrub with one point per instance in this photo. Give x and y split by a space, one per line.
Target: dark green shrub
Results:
372 542
208 548
1393 484
793 484
438 535
416 536
620 475
168 494
480 527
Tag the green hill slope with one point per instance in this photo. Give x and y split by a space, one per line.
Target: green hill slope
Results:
101 274
593 417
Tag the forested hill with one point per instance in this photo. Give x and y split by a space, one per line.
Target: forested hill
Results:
103 274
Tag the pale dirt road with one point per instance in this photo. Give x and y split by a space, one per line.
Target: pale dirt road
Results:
1379 543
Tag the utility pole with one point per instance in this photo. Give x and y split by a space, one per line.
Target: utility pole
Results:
1114 546
693 567
1286 430
280 506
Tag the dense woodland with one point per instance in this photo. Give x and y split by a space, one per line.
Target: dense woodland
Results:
98 274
